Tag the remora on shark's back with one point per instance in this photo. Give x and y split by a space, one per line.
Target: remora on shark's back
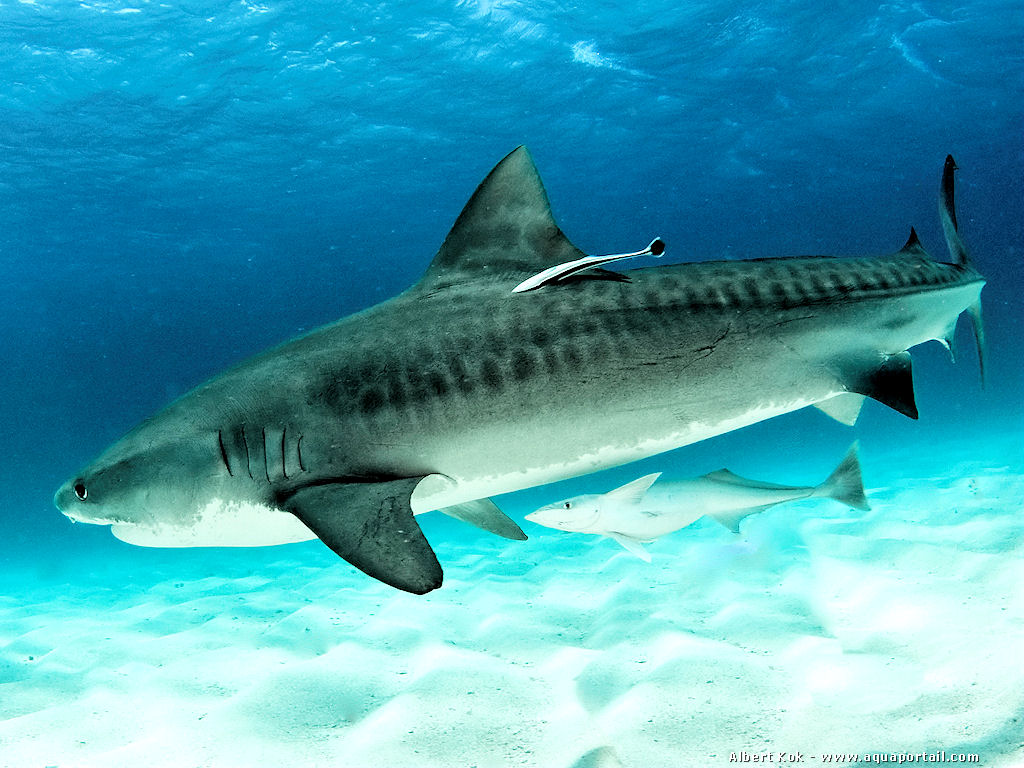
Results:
644 510
461 388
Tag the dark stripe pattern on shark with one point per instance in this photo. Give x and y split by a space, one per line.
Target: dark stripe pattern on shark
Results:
460 389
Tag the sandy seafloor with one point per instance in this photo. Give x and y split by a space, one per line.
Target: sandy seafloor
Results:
818 630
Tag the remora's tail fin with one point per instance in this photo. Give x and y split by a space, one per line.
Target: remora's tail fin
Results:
845 484
957 250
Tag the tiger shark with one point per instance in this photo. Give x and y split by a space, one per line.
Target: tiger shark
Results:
496 372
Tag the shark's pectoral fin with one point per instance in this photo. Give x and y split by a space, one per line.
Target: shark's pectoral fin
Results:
634 546
372 527
484 514
890 382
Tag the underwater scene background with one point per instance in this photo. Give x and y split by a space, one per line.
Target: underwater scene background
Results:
183 184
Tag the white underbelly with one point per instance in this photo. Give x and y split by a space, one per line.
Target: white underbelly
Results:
220 523
479 473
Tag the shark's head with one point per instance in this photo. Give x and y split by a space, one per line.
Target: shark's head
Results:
146 478
167 483
580 514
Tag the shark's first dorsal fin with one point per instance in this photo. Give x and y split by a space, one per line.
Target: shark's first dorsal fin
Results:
633 492
505 231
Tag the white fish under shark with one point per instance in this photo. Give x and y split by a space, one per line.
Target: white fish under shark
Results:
638 513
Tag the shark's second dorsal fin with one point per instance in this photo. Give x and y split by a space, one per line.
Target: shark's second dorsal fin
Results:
505 231
913 244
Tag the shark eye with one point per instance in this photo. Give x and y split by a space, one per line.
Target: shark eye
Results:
81 491
568 505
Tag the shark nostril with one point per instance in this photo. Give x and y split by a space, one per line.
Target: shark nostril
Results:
81 491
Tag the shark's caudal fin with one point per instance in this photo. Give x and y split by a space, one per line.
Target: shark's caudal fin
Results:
845 484
505 231
888 378
958 252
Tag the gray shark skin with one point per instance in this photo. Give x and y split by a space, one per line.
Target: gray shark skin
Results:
460 389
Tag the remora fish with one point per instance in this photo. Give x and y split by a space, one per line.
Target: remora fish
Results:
636 513
460 388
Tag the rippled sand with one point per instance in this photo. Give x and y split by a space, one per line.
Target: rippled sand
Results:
818 630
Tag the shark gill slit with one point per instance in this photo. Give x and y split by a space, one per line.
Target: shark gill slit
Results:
284 466
266 454
223 452
248 462
298 451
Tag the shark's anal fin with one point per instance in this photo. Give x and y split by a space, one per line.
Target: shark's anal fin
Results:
890 382
372 527
484 514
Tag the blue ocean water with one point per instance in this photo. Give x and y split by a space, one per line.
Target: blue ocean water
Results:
183 184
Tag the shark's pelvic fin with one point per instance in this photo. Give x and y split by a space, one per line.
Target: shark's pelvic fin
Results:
634 546
845 484
505 231
371 526
957 250
844 408
564 271
732 518
891 383
484 514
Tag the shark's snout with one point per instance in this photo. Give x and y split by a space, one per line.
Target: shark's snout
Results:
71 500
565 516
63 497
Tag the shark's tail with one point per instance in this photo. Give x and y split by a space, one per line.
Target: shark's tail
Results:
845 484
957 250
